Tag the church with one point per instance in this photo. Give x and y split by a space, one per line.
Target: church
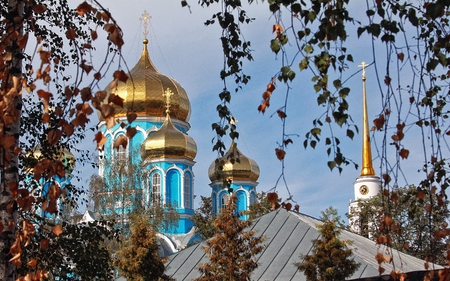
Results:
165 152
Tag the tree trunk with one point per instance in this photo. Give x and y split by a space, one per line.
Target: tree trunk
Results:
9 175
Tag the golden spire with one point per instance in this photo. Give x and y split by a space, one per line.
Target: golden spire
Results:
367 167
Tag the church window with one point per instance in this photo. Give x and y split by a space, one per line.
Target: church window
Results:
187 191
224 201
156 188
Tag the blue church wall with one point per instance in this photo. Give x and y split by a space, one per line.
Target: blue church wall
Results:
173 180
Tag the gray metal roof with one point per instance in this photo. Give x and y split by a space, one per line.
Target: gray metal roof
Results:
289 235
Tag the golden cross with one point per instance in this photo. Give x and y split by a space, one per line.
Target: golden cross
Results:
363 65
167 94
145 17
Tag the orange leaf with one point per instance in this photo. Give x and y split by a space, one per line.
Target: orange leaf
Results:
87 67
131 132
70 34
86 94
83 8
68 129
107 111
379 122
98 75
131 116
44 244
288 206
420 194
115 99
22 41
401 56
297 208
39 9
32 263
100 139
121 141
270 87
7 141
54 136
272 197
57 230
94 34
281 114
280 153
120 75
404 153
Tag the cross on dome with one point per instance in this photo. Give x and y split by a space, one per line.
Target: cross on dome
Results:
167 94
145 18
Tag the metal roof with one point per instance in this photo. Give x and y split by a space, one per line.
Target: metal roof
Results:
288 236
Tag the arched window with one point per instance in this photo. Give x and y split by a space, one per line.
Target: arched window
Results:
156 188
224 201
187 191
252 198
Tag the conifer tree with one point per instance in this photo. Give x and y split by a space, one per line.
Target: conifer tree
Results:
139 259
331 258
233 249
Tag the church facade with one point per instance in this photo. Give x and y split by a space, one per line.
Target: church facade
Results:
165 153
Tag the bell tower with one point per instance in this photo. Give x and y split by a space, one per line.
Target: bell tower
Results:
368 184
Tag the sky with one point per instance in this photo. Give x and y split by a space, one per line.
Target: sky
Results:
182 47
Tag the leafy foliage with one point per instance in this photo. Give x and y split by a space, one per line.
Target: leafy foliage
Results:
50 86
420 234
330 258
118 197
232 250
409 49
139 259
204 218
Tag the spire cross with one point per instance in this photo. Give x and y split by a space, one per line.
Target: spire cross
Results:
167 94
145 18
363 65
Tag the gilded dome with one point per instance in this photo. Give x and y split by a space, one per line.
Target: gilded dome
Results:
168 142
149 84
245 169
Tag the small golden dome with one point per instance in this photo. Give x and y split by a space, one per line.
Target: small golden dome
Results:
168 142
245 169
147 100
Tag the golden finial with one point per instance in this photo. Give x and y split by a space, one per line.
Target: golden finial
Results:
367 166
167 94
145 18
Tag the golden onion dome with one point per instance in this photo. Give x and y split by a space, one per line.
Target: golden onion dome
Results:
245 169
65 156
168 142
149 84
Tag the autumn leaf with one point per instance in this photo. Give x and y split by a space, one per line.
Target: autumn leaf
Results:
39 9
94 35
100 139
404 153
277 27
379 122
86 94
83 8
87 68
280 153
281 114
131 116
131 131
121 141
270 87
44 244
54 136
57 230
32 263
120 75
70 34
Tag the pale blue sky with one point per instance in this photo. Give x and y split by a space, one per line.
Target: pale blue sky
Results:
183 48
